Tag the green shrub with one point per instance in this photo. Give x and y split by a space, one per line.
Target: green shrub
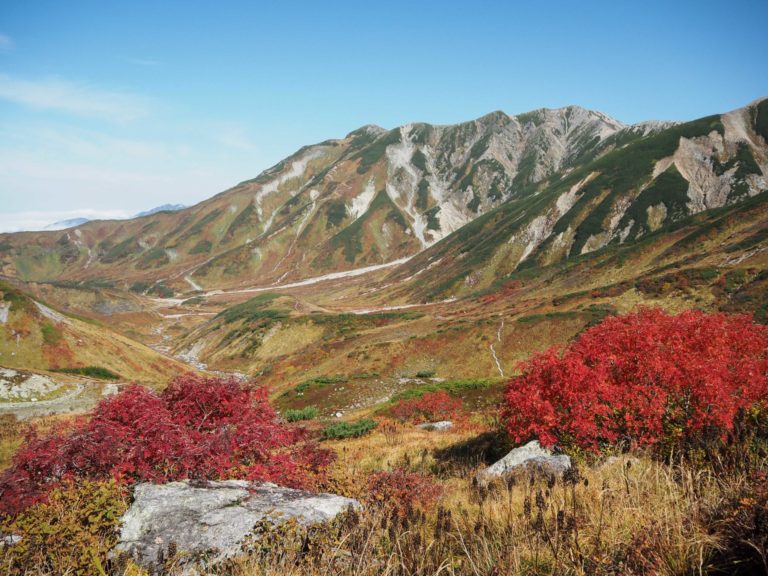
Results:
202 247
161 290
348 429
252 310
298 414
71 533
51 334
90 372
139 287
453 387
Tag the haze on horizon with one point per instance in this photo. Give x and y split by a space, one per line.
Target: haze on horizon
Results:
107 110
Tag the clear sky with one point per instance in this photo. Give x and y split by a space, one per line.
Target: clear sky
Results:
111 107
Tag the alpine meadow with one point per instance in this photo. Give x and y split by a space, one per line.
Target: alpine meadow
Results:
532 343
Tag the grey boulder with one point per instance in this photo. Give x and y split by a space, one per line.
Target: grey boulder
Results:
213 517
530 456
438 426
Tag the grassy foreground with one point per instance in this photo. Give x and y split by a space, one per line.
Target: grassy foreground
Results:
617 515
613 515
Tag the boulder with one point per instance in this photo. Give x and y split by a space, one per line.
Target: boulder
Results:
8 540
439 426
213 517
530 456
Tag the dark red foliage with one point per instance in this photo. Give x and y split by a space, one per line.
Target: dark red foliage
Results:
431 407
196 428
645 378
401 490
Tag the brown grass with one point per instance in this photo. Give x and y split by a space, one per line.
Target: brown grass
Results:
623 515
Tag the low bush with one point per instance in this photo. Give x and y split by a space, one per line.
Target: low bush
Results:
52 335
644 379
431 407
90 372
400 491
71 533
453 387
299 414
196 428
349 429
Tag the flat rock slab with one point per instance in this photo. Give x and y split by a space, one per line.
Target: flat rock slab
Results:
438 426
529 456
196 517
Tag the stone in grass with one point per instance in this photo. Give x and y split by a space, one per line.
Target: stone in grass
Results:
437 426
213 518
530 456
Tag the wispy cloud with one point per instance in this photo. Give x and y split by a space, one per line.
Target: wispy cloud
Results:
73 98
6 44
39 220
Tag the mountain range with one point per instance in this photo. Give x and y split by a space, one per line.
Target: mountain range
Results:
396 251
565 182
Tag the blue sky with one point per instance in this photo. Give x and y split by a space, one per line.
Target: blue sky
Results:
108 108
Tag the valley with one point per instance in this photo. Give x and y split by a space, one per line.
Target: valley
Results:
409 271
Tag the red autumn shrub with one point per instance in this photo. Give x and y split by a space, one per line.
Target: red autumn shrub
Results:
646 378
431 407
196 428
401 491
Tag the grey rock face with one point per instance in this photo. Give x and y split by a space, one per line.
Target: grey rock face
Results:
529 456
437 426
213 517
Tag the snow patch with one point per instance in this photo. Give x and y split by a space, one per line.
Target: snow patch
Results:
362 201
493 349
315 280
625 232
5 308
536 232
541 227
402 184
296 169
192 283
51 314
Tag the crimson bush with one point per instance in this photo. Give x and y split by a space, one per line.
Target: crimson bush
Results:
431 407
645 378
204 428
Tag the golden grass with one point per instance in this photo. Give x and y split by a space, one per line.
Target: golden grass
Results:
620 515
625 515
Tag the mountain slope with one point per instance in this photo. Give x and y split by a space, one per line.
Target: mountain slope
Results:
650 184
503 236
34 336
371 197
352 357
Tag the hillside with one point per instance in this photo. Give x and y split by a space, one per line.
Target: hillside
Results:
577 217
648 186
372 197
414 272
36 336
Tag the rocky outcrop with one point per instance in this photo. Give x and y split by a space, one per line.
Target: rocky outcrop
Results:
213 518
530 456
436 426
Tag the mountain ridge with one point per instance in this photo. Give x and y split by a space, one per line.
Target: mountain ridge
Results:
374 196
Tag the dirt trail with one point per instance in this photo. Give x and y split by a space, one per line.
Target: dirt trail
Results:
77 401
